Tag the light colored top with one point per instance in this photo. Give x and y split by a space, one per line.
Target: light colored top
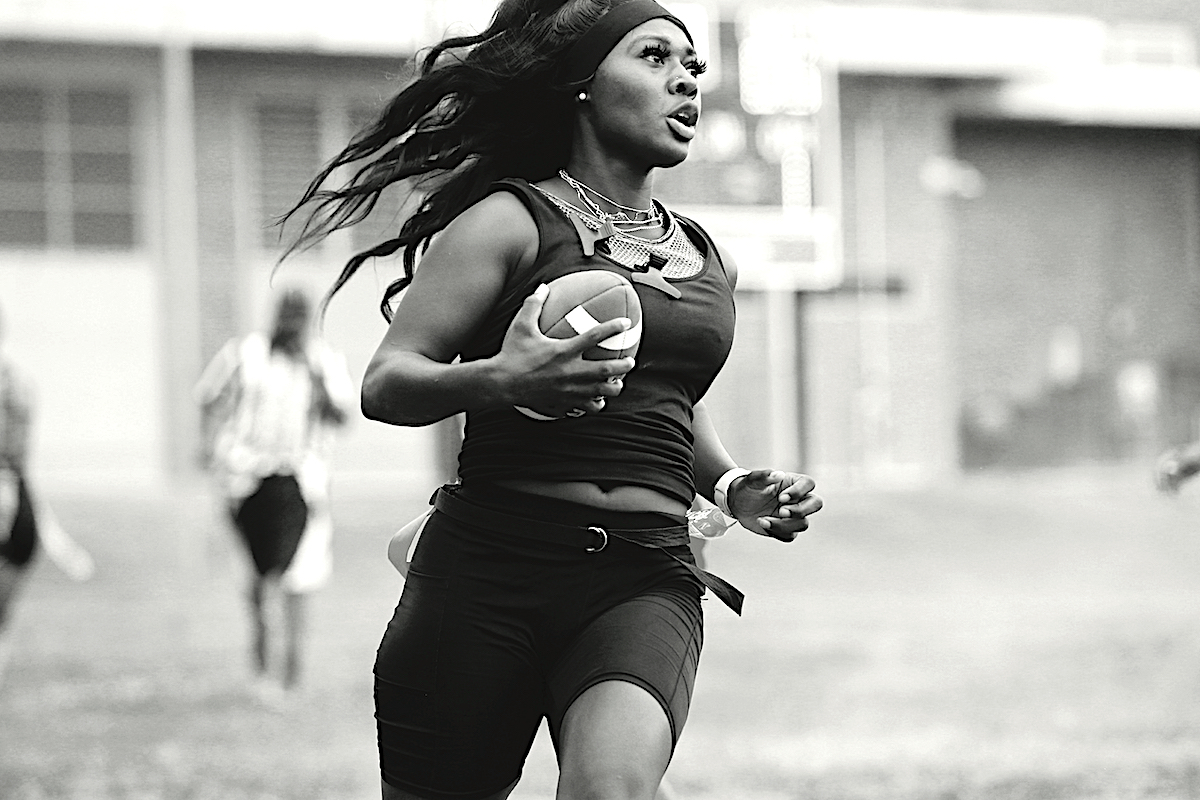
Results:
269 415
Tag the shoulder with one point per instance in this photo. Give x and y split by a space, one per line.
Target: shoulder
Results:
500 223
250 347
465 270
248 355
501 205
506 203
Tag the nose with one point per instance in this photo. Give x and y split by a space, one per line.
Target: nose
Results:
684 83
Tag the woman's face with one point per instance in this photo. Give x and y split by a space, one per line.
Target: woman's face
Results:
644 101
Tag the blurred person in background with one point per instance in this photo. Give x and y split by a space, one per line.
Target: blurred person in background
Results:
24 524
1176 466
270 403
555 581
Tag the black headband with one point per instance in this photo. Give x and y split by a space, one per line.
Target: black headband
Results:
586 54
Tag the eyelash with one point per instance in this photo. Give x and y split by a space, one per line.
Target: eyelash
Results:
697 67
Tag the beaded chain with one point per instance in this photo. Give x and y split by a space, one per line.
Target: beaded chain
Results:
674 249
651 217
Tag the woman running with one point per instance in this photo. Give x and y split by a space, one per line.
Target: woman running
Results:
555 580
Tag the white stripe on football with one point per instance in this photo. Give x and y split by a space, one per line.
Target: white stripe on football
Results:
581 321
578 302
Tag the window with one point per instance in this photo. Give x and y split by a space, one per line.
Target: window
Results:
289 156
66 168
292 147
385 219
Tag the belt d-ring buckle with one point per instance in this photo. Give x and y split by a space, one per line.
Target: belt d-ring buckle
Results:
603 534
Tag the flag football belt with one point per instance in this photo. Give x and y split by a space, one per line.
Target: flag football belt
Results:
588 538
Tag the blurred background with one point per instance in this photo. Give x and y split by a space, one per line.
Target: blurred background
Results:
969 228
969 232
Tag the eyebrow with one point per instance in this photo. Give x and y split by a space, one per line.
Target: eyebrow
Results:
658 37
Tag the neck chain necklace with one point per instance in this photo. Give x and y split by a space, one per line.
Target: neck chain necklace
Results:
641 219
674 250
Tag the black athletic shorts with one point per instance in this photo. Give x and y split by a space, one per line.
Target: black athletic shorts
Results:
271 522
495 631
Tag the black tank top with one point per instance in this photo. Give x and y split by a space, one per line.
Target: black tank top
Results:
643 437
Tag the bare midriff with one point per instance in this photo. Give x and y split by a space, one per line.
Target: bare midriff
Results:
620 498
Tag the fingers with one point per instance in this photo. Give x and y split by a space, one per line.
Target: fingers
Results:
569 350
588 395
800 486
597 403
785 497
610 387
788 488
593 406
777 529
549 373
538 298
605 330
785 530
791 519
614 370
808 505
762 478
531 309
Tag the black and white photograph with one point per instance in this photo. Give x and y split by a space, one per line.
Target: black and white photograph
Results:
600 400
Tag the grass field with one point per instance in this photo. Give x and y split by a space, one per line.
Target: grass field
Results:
1010 638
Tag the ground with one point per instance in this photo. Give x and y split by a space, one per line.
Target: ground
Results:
1011 637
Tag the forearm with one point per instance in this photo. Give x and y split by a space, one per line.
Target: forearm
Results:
711 459
330 410
412 390
326 408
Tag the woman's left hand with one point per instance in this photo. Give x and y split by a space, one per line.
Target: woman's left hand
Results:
774 503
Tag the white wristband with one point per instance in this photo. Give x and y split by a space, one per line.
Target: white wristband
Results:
721 488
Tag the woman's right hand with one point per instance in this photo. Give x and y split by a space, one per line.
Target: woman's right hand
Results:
549 375
414 378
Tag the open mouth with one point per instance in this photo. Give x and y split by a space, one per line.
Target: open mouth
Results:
683 123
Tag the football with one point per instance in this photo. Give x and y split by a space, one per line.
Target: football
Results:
578 302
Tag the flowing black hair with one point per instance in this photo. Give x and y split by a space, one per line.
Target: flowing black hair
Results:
482 107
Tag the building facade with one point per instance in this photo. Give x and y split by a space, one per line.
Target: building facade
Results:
980 225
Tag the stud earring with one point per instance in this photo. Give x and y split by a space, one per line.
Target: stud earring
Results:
582 97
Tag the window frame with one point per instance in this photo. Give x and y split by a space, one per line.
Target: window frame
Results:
55 79
336 106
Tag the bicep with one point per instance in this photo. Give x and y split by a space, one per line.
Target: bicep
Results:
460 279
